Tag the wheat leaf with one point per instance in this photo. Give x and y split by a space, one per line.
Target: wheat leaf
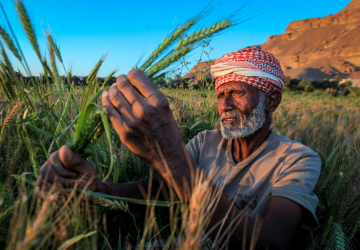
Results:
73 240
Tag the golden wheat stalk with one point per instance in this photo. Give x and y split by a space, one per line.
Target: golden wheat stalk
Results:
199 201
34 231
10 116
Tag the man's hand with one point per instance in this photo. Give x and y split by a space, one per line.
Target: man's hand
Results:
142 117
67 169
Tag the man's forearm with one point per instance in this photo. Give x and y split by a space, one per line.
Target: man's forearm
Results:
135 190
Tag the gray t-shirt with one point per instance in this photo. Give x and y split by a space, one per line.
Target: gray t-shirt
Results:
279 167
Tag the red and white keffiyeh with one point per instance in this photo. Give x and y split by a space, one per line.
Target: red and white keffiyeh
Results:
252 66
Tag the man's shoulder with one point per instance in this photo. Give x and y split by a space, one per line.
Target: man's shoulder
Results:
289 146
205 141
209 135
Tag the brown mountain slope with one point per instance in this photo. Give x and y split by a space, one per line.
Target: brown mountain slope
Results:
320 48
315 48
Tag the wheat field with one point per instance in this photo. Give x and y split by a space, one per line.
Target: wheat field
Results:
39 115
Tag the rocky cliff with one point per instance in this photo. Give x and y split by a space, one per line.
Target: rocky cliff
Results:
315 48
322 47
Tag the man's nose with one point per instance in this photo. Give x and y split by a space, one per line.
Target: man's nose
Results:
227 104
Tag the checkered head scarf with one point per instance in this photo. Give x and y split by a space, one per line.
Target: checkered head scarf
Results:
253 66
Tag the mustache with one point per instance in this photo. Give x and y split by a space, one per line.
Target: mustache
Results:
231 114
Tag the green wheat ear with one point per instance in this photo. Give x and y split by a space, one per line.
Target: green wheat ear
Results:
47 69
10 43
54 47
111 204
204 33
167 61
93 73
108 77
55 71
167 42
89 134
29 30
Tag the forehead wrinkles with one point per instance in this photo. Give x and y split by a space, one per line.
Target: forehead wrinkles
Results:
234 86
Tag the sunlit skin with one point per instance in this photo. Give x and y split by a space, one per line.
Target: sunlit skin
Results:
141 116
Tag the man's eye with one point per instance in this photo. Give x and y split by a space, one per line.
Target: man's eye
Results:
238 93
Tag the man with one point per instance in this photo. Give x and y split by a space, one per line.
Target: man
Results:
266 175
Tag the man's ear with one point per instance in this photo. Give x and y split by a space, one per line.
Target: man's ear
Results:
273 100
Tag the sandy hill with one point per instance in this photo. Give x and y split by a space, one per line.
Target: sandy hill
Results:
315 48
319 48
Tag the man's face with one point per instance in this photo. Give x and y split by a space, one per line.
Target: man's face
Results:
242 109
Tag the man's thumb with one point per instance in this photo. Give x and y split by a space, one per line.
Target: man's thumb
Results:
69 159
75 162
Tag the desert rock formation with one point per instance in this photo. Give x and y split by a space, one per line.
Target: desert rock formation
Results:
315 48
319 48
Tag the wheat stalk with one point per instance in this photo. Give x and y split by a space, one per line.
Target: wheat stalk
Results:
327 230
47 69
352 195
332 155
111 204
339 237
93 73
11 115
54 69
201 34
99 131
29 30
6 87
54 47
108 77
356 227
6 59
166 42
93 128
9 43
32 232
167 61
336 188
199 201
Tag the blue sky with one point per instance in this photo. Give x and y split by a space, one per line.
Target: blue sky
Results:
126 30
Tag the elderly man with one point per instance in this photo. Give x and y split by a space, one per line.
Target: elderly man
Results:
263 173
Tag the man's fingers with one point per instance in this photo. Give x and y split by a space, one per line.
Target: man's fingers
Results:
59 168
51 176
111 112
40 182
44 168
129 91
75 162
118 100
141 81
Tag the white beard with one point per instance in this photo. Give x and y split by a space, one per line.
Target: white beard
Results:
245 127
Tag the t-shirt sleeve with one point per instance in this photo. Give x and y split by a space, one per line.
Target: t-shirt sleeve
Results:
297 183
194 147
